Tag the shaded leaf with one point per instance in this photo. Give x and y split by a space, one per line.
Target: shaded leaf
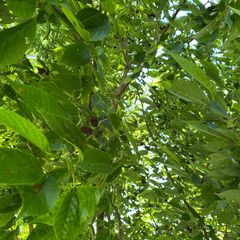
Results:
10 202
88 198
97 161
212 130
5 15
216 146
5 218
95 22
217 108
227 216
195 72
212 72
38 99
22 8
233 171
40 198
50 109
42 232
235 10
64 128
67 82
67 222
66 9
9 236
230 195
19 168
211 26
187 91
115 121
76 55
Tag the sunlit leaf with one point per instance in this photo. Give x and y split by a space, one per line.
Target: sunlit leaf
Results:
15 41
24 127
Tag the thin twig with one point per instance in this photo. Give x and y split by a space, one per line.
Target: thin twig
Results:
172 18
124 85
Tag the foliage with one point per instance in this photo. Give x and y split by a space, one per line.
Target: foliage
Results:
119 119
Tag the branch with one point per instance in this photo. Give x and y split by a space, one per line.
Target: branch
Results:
123 86
172 18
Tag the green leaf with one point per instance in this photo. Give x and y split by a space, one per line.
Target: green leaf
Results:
42 232
169 153
217 108
216 146
109 5
233 171
5 16
227 215
5 218
115 121
220 159
67 222
211 26
95 22
235 10
10 202
88 198
212 131
195 72
86 1
15 41
40 198
50 109
150 195
212 72
64 128
97 161
19 168
230 195
24 127
22 8
67 82
8 235
187 91
66 9
76 55
38 99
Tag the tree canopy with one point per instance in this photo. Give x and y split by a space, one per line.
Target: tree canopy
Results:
119 119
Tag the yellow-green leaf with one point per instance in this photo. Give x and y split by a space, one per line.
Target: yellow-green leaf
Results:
24 127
